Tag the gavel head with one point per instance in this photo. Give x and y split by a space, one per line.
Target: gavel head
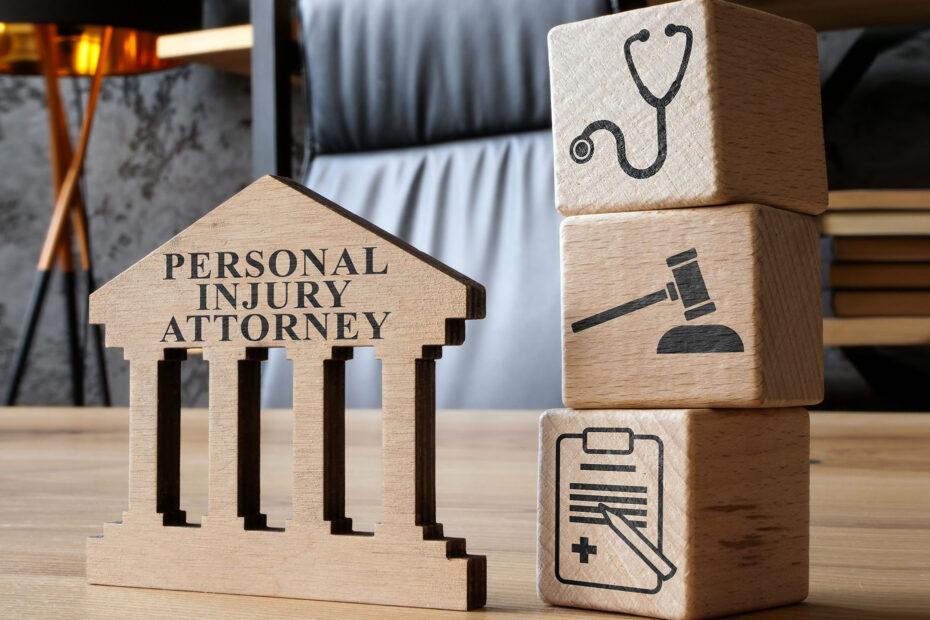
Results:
690 285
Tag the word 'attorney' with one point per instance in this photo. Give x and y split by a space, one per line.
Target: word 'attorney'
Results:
230 287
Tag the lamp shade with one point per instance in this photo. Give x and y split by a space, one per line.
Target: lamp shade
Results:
79 30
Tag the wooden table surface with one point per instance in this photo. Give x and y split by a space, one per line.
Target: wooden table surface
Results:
63 472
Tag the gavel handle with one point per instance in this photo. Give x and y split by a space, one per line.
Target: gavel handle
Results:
618 311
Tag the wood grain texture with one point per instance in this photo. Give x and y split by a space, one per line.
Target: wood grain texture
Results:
745 125
265 246
760 269
64 473
707 510
254 273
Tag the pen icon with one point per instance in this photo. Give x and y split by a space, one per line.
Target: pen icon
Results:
622 527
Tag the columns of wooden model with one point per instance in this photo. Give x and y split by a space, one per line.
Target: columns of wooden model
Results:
250 431
234 437
169 437
319 441
408 427
155 436
143 436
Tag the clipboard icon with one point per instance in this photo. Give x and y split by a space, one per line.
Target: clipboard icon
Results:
608 513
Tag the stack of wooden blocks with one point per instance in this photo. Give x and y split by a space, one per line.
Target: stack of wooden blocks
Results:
689 163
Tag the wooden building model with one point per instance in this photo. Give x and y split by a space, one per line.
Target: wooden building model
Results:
279 266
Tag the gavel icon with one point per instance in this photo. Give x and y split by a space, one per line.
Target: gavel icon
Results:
690 288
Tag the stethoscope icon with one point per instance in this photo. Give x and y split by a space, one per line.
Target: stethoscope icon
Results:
582 147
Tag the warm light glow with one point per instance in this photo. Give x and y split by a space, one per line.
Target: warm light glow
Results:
86 54
131 51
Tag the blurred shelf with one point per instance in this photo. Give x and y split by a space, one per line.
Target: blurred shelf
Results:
850 303
875 223
227 48
879 275
882 249
842 14
861 199
876 331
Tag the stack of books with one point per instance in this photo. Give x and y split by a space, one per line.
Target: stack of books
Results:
880 243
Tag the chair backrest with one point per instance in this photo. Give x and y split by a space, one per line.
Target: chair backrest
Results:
388 74
431 119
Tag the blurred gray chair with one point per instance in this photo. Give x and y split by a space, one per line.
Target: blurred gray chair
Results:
431 119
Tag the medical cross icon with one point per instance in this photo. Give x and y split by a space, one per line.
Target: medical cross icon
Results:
583 549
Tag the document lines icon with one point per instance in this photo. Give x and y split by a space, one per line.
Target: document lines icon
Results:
608 516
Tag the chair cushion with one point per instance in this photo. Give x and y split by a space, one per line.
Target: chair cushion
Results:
483 207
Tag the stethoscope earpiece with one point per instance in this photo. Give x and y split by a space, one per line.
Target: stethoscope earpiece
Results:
643 35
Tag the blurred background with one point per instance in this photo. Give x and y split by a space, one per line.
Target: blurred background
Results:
431 119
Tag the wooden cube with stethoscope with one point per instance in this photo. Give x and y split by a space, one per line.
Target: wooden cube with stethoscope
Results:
692 103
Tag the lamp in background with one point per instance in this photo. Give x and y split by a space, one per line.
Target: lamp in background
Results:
63 38
78 50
